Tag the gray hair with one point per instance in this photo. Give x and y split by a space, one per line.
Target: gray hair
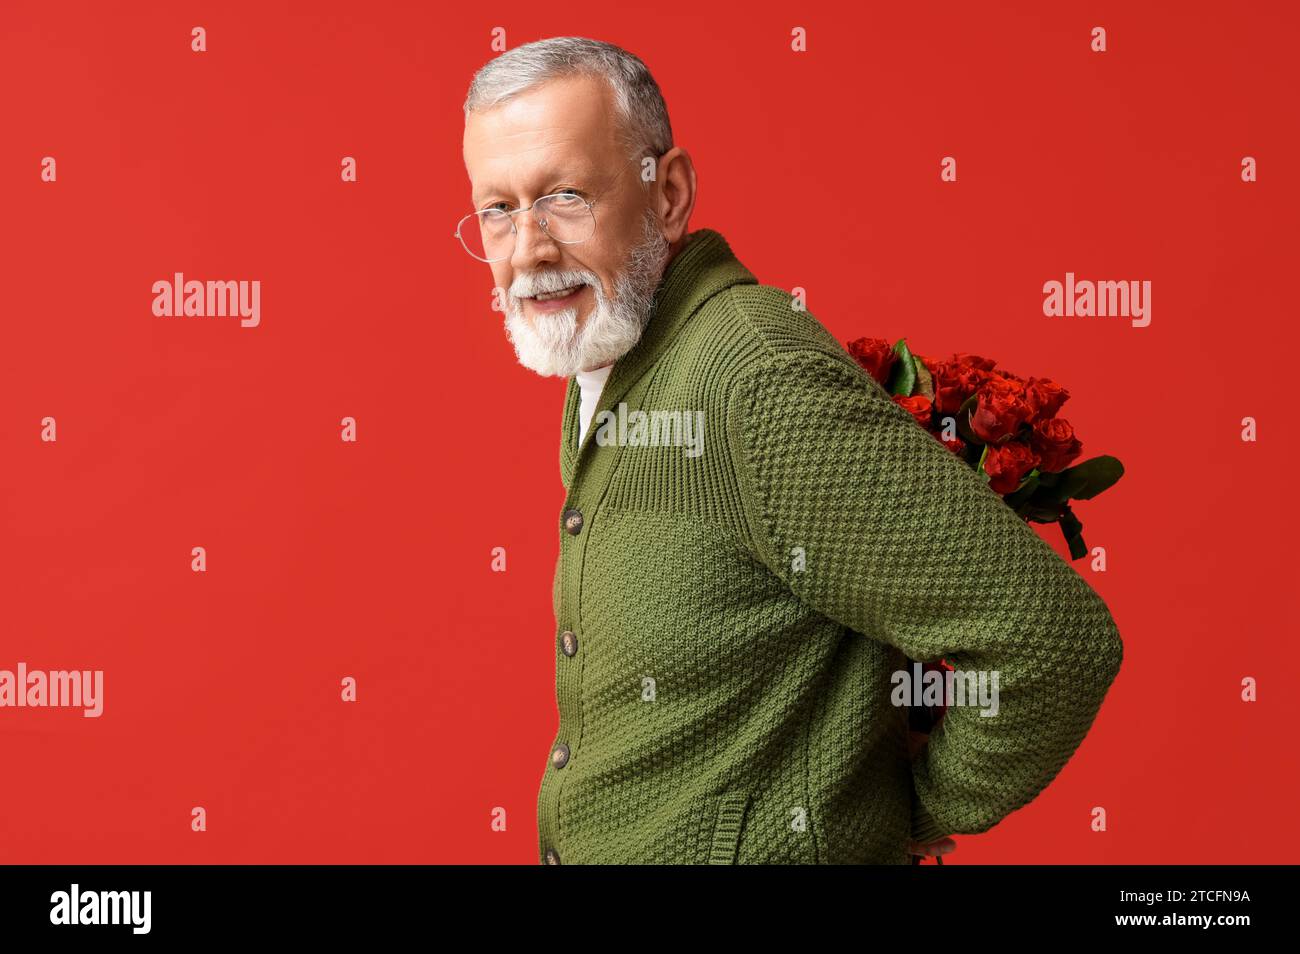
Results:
643 128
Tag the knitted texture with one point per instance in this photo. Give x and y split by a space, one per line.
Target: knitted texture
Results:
727 624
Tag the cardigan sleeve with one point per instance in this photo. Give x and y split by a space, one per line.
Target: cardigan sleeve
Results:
903 542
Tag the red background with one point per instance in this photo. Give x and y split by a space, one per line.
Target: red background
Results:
372 559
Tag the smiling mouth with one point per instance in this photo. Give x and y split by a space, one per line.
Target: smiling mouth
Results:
557 295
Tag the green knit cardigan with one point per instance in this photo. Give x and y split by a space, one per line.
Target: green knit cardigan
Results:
729 612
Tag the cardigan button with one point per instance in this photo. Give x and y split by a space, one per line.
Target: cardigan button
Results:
560 756
573 521
568 642
552 856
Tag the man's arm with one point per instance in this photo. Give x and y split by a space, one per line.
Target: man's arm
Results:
906 543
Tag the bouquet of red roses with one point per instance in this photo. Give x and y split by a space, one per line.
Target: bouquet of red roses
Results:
1004 426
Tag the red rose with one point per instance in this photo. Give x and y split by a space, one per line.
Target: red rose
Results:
939 428
1054 442
974 361
1001 409
954 382
1006 464
918 405
876 356
1045 396
1007 376
956 444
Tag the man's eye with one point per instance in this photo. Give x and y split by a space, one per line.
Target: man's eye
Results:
499 205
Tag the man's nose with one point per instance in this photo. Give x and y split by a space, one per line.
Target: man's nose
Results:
532 243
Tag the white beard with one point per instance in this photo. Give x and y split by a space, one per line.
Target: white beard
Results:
552 344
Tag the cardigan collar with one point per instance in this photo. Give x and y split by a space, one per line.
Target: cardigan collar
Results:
704 266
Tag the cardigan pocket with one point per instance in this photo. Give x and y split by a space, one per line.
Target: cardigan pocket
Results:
728 822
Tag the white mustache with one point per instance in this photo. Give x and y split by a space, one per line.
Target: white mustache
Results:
529 288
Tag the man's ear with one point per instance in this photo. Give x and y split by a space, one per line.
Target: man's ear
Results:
676 197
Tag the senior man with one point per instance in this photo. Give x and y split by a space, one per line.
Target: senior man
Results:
729 623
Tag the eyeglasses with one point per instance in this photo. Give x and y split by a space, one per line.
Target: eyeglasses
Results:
489 234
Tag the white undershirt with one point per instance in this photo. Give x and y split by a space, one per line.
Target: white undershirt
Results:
591 383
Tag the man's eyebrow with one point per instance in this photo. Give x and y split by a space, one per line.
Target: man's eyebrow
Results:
585 179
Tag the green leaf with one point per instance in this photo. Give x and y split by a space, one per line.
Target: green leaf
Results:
1022 493
1040 513
1083 481
903 376
924 380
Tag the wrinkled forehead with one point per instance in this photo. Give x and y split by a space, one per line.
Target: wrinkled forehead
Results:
562 128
